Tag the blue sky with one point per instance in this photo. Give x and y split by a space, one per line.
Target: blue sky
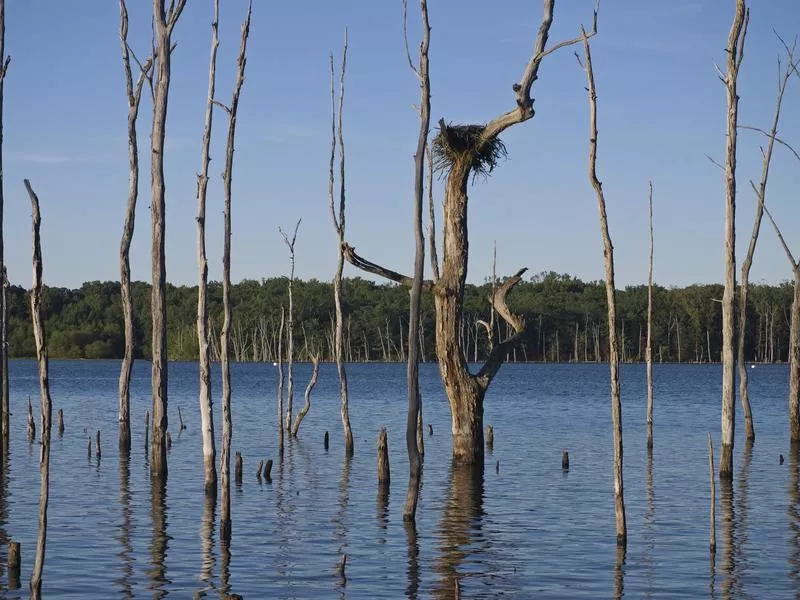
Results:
661 109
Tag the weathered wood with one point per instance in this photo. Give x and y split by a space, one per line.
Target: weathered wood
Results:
238 469
430 430
204 349
383 458
290 244
169 440
734 51
227 182
312 382
180 419
280 384
163 24
31 422
613 345
89 449
97 451
60 422
414 312
565 459
44 392
325 441
489 437
268 471
258 470
649 349
146 428
339 226
712 545
4 397
14 564
133 94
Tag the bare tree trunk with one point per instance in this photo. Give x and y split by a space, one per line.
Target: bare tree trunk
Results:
649 349
414 414
204 350
290 327
608 253
4 398
280 384
134 94
735 53
44 390
164 23
312 382
794 362
227 181
339 226
751 248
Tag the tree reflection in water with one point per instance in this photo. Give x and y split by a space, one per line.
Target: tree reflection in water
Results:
125 582
157 572
794 514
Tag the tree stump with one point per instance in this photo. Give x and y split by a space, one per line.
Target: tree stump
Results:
89 451
60 422
31 422
430 430
169 441
325 441
238 471
146 428
98 452
258 470
565 459
14 563
489 437
180 418
268 471
383 458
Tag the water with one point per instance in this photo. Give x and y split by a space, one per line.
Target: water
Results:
526 531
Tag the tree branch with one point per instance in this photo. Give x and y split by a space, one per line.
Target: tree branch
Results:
524 109
405 40
771 136
431 218
789 255
371 267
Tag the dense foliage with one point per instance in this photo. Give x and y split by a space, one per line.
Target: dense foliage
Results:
567 316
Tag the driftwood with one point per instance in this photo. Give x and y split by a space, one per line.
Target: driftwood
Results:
608 254
227 179
204 350
339 226
735 52
44 391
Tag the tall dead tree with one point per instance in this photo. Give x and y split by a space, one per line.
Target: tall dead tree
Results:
134 94
649 350
339 226
204 348
44 391
613 348
735 52
783 79
290 327
463 152
280 383
227 181
4 406
163 24
415 296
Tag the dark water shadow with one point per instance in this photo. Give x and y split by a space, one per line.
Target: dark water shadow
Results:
794 516
157 570
731 585
207 528
5 474
619 573
125 554
412 570
649 533
460 527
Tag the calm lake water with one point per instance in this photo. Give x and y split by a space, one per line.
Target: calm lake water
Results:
528 530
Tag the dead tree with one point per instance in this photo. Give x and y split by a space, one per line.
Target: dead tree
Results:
44 390
134 94
204 349
463 152
4 406
280 383
649 350
735 53
227 181
290 327
163 24
613 347
339 226
314 358
413 415
761 190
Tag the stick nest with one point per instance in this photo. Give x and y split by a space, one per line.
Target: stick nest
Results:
455 144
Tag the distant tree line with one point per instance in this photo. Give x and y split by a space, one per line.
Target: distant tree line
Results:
568 317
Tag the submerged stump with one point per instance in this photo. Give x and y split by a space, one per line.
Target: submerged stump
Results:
14 564
60 422
268 471
238 468
565 459
489 437
383 458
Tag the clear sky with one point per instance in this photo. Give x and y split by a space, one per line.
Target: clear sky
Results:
661 109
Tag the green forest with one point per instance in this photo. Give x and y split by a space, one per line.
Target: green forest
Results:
567 316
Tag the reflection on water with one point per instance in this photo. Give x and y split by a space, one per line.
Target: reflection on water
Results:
649 525
460 527
339 523
794 516
207 543
125 554
412 570
157 571
619 573
742 513
731 586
